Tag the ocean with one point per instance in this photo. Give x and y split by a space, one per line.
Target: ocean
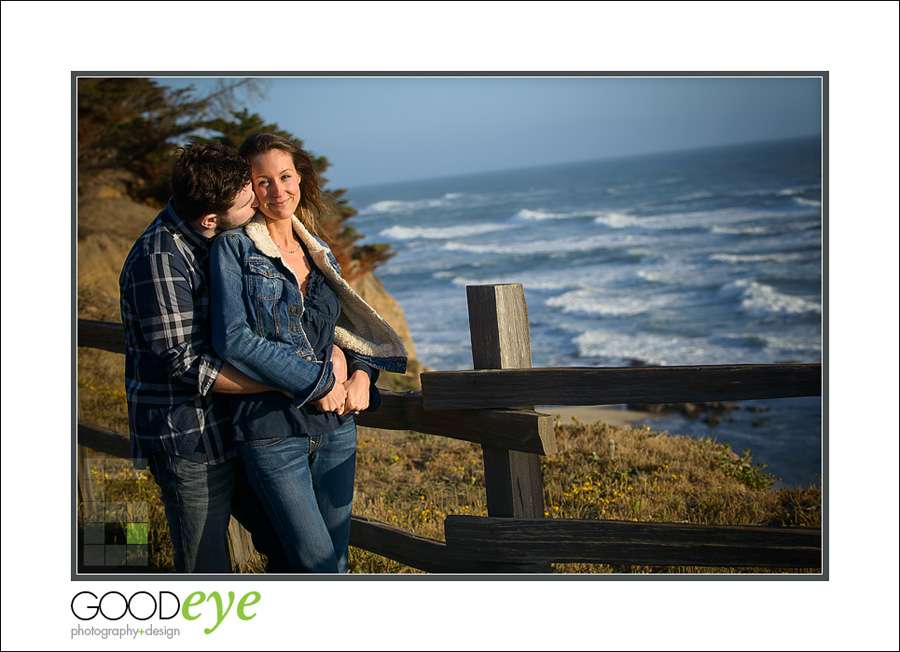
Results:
701 257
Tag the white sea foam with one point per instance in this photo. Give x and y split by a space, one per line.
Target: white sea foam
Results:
616 348
739 230
760 300
400 207
705 219
674 272
600 302
440 233
774 257
539 215
807 202
561 279
550 245
616 220
608 218
620 347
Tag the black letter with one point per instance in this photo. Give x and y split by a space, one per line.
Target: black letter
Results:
177 609
94 607
125 611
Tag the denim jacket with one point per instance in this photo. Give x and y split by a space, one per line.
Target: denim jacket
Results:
256 315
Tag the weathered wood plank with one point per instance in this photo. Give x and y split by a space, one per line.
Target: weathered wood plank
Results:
498 325
240 546
420 552
621 542
107 336
449 390
104 440
521 430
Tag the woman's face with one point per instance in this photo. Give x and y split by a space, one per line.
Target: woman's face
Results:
276 184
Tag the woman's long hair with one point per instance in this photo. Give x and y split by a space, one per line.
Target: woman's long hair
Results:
258 144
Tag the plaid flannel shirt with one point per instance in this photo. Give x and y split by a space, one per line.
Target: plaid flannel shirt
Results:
170 366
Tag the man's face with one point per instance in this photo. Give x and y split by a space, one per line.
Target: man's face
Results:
241 211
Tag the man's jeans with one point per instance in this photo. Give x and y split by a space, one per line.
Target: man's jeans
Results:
199 500
306 487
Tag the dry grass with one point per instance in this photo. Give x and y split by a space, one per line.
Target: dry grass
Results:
601 472
414 481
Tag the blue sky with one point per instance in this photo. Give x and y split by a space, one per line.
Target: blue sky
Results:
377 129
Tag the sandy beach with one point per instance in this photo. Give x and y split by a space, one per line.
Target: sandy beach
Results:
612 415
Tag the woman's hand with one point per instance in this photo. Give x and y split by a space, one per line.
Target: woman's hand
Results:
357 387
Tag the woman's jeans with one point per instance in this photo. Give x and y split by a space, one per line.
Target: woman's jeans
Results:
306 487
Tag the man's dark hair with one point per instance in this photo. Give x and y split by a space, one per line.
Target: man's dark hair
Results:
206 178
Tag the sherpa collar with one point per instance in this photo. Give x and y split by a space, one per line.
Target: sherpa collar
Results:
359 329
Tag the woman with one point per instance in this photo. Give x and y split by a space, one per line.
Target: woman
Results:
282 314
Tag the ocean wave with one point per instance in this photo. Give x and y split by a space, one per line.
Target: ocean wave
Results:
621 348
807 202
602 275
760 300
700 194
539 215
739 230
674 272
776 192
554 246
401 207
616 220
707 220
774 257
440 233
598 301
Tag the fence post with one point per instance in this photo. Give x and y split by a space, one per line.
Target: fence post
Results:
86 485
498 325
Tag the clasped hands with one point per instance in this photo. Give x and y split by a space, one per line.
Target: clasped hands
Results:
350 394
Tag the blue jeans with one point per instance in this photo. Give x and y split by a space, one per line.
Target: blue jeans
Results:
199 500
306 488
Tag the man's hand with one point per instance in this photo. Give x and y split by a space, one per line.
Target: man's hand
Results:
339 364
333 401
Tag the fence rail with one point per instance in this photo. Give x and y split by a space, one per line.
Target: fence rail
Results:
459 390
492 406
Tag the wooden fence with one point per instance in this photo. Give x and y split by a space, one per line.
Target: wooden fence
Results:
493 406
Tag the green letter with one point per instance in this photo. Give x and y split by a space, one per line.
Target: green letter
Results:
219 615
190 602
246 603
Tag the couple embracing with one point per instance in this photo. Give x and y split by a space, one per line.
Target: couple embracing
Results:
247 358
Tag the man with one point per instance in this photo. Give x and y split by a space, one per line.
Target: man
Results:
175 384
